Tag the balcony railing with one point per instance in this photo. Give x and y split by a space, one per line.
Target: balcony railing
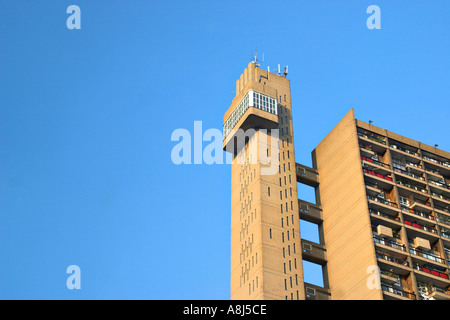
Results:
440 289
390 274
445 209
412 186
373 185
389 243
433 171
422 202
442 185
383 201
415 176
371 136
426 255
382 164
384 215
378 175
440 196
385 256
445 233
399 292
443 219
419 226
446 164
432 271
396 146
421 214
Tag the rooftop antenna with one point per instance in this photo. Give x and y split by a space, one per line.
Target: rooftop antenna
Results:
436 145
254 58
370 121
285 73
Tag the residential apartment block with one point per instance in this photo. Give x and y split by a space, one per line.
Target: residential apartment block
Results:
382 205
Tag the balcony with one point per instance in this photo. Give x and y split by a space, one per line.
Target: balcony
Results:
383 202
386 257
436 166
439 187
427 255
389 243
391 292
442 208
420 214
445 233
441 163
439 293
442 218
440 197
432 271
421 205
378 175
410 174
420 226
366 149
371 136
375 165
412 186
399 147
390 277
375 212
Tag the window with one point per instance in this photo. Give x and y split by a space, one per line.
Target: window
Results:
251 99
268 191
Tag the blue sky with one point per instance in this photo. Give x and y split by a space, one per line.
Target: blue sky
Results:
86 118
